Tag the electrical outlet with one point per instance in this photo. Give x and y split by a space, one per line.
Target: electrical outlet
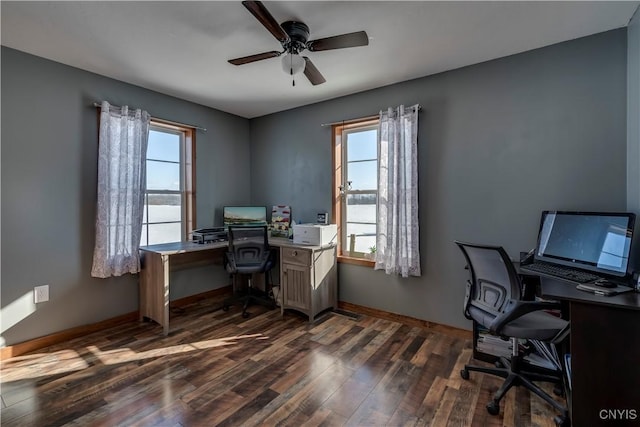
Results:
41 293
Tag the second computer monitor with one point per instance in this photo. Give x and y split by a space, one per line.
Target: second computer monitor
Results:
596 241
244 215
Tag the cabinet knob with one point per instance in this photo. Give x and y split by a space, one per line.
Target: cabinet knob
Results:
294 253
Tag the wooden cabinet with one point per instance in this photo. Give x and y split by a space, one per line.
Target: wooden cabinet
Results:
308 279
605 351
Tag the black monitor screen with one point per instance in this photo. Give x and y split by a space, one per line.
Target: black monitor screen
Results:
594 241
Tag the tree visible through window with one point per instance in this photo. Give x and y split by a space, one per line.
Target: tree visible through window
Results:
169 200
356 186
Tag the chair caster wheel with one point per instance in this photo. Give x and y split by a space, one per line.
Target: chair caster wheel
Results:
562 421
245 314
225 308
464 374
493 408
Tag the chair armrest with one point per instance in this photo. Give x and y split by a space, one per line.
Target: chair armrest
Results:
267 260
516 309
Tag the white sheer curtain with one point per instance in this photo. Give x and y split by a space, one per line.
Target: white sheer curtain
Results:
122 156
397 242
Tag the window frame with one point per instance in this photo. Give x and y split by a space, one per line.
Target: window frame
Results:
187 189
339 160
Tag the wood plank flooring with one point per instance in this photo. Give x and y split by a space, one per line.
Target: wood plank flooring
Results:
216 368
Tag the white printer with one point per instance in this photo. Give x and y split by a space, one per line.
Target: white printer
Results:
315 234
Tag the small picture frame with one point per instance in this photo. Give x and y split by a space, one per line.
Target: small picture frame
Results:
323 218
280 221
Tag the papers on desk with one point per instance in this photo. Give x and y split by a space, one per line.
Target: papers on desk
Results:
567 364
494 345
537 360
545 356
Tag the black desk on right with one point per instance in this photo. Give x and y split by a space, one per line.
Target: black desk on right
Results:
605 354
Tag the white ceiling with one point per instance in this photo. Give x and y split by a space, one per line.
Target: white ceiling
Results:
182 48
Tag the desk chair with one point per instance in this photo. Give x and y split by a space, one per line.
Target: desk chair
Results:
494 300
249 253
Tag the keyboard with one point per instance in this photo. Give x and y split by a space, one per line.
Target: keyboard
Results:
561 272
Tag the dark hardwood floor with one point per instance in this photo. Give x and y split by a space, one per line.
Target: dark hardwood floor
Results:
216 368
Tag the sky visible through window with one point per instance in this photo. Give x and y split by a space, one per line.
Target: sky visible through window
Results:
362 146
362 171
162 221
166 147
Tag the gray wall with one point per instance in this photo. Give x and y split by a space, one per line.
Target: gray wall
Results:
498 143
49 169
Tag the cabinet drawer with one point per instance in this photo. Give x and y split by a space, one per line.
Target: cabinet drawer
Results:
296 256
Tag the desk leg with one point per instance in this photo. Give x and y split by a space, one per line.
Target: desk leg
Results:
154 289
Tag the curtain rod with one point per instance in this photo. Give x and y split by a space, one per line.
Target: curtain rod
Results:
359 119
170 122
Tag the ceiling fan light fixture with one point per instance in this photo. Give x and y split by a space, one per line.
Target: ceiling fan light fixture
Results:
293 63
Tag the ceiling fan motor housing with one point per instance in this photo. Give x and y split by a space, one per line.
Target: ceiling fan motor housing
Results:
298 35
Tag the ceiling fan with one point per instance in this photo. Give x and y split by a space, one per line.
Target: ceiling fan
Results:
293 36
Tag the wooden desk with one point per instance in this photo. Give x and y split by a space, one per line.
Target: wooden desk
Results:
308 275
605 354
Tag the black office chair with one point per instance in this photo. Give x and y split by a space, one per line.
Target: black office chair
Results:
494 300
249 253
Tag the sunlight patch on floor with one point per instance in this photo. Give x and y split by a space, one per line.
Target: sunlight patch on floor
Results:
45 364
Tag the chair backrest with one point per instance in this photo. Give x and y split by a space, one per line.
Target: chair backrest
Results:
249 245
493 280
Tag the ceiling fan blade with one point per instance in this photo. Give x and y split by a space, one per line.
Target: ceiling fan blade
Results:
312 72
254 58
358 38
261 13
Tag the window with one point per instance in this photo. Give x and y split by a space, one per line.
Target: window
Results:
356 187
169 201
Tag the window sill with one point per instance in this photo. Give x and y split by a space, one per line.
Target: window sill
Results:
356 261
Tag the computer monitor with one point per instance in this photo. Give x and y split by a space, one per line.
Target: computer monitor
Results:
244 215
594 241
